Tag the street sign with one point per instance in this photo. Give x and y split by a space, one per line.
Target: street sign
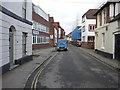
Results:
36 32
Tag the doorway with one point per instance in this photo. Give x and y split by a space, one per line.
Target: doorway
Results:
24 38
117 46
11 44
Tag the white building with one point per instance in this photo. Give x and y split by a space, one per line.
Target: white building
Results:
88 26
107 33
15 33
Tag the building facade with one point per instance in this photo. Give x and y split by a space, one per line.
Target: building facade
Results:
76 34
88 26
69 37
15 33
53 32
107 33
56 31
40 29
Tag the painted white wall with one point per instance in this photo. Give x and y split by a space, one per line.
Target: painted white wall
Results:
20 27
16 7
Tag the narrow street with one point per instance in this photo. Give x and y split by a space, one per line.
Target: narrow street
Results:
76 69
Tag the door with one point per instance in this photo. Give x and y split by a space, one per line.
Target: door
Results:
117 46
24 51
11 48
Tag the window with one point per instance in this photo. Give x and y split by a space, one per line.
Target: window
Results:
100 19
38 39
24 9
91 27
83 29
40 12
118 23
103 40
90 38
105 15
83 19
47 29
47 39
34 39
83 38
40 27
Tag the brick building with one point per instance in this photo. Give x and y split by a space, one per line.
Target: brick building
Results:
56 31
40 29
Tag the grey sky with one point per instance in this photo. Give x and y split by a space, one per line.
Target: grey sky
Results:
66 11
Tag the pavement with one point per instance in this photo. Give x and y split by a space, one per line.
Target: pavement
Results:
111 62
18 76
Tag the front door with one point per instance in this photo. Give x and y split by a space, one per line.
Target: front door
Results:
117 46
11 48
24 44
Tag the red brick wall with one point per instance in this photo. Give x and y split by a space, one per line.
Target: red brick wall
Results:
37 46
44 22
39 19
51 42
88 45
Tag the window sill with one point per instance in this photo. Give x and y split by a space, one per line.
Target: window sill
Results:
91 30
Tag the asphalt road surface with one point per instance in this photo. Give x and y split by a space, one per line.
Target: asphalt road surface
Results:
76 69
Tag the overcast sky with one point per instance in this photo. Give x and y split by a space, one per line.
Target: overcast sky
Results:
67 11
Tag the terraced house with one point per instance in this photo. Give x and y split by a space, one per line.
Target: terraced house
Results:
15 33
107 33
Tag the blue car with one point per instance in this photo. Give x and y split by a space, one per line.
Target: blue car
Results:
61 45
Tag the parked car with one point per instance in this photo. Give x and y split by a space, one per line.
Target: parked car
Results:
79 43
61 45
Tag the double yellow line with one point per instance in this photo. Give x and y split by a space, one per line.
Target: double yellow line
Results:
35 80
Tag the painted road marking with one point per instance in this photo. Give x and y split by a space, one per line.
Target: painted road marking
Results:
35 80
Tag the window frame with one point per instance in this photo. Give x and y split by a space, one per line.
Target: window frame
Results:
93 27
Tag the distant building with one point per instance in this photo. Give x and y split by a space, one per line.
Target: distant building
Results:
88 26
69 37
56 31
41 28
76 33
107 33
15 33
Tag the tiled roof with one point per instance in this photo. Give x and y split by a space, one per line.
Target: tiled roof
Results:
90 14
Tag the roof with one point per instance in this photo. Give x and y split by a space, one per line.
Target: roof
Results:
90 14
106 4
